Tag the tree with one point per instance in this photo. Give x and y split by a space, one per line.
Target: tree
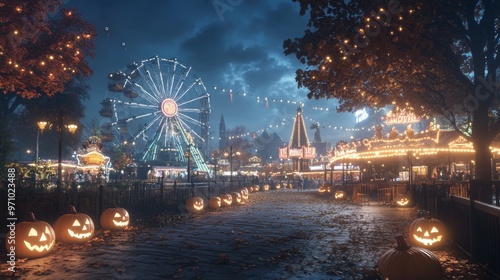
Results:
436 58
240 144
39 56
267 146
45 108
40 53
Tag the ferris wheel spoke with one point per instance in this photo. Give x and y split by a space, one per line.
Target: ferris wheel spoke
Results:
162 84
152 83
146 95
192 100
152 147
191 131
132 118
147 126
186 91
189 119
190 110
180 84
136 105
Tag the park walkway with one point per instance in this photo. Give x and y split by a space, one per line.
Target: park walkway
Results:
282 234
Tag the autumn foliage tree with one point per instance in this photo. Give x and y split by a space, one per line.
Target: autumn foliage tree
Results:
42 50
436 58
40 53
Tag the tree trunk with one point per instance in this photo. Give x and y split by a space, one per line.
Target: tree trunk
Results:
482 166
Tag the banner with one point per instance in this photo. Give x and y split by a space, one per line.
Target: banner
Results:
295 153
283 153
309 152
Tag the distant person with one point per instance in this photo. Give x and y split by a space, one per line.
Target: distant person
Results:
394 134
306 183
409 132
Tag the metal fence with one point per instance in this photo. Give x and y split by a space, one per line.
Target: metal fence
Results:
142 199
471 213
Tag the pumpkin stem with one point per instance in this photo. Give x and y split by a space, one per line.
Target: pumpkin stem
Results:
402 245
428 215
72 209
31 217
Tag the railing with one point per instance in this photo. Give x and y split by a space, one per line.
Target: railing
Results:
142 199
471 213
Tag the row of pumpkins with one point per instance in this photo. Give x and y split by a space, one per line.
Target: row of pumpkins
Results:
34 239
196 204
401 199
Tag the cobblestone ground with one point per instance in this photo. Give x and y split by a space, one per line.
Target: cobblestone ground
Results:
282 234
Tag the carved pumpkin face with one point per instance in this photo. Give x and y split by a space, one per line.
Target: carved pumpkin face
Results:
195 204
278 186
244 194
402 200
236 196
265 187
322 189
226 199
114 219
74 227
340 195
256 188
214 203
34 238
427 232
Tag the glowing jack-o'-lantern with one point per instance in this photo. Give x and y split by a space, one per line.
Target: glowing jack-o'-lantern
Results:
256 188
340 195
194 204
277 186
402 200
74 227
236 198
214 203
322 189
427 232
33 238
290 186
410 263
226 199
265 187
244 194
114 218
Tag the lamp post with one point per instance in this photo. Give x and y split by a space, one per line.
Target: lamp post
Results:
60 125
41 127
231 164
187 154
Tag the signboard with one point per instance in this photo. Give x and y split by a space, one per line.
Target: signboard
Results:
295 153
283 153
361 115
402 117
309 152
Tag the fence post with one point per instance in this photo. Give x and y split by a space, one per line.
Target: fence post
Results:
101 198
474 186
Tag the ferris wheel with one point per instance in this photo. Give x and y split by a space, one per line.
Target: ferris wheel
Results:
161 108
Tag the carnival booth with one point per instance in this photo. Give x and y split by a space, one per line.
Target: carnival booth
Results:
93 165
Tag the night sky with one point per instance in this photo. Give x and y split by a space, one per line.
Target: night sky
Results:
239 49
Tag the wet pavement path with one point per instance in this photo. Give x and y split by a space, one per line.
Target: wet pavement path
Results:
282 234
